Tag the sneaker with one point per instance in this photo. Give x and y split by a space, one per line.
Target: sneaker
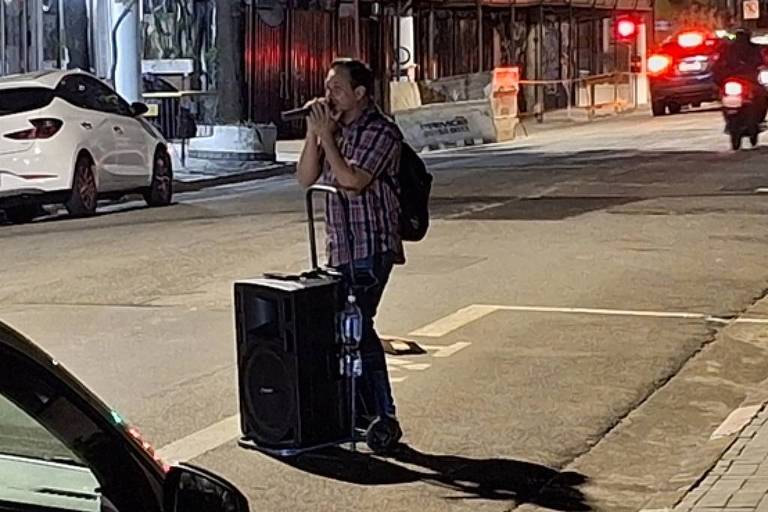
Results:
383 435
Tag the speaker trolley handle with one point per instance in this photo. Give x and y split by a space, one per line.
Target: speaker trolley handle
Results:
350 351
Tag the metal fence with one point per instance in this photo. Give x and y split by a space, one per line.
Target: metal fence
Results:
182 115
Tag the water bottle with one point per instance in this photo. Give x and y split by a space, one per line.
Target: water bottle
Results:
357 364
351 322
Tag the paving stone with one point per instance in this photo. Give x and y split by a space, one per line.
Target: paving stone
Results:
709 480
749 431
761 438
746 498
715 498
687 504
763 506
735 450
751 458
738 469
733 484
733 478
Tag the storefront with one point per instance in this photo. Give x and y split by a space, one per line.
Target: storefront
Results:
43 34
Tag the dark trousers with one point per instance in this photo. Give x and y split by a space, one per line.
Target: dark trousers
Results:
374 390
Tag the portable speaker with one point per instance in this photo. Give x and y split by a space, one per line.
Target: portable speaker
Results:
292 392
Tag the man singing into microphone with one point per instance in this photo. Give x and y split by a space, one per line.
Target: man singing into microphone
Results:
352 146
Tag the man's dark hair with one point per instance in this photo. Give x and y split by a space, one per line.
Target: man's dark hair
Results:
359 73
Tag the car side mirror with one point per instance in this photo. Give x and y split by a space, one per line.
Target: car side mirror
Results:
139 109
189 488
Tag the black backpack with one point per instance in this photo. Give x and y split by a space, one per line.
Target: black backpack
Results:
415 186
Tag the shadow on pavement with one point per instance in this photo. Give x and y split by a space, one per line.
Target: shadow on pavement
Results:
487 479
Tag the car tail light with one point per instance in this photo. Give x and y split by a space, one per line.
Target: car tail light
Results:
42 129
658 64
148 448
690 39
733 89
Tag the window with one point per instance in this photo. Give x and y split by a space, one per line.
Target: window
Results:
37 468
86 92
74 91
57 452
15 101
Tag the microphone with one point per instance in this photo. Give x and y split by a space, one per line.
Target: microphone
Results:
297 114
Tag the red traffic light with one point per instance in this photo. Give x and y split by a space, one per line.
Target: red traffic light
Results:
626 29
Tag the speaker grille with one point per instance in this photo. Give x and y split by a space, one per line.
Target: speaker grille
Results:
271 397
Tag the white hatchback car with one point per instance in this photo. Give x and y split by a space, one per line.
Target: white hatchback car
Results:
67 137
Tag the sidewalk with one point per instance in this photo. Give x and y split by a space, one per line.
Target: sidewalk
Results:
725 468
739 480
201 173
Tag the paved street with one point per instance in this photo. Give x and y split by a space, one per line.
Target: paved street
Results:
590 300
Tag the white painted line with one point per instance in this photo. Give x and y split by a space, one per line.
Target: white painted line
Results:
454 321
607 312
735 421
205 440
210 438
451 349
761 190
750 321
475 209
418 366
400 346
469 314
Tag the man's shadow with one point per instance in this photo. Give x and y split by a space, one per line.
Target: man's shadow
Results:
487 479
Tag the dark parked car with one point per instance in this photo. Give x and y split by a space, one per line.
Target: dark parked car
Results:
62 449
680 72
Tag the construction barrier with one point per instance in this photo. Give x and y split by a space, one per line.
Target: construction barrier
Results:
495 117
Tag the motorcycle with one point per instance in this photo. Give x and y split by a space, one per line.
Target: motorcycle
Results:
744 108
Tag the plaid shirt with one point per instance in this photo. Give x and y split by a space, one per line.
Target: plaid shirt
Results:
371 144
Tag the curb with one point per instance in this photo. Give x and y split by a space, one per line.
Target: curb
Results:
279 169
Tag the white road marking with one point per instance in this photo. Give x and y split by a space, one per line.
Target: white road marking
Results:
449 350
408 365
608 312
454 321
210 438
474 209
418 366
735 421
202 441
397 362
473 312
399 345
745 320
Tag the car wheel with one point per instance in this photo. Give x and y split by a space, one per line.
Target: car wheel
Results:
675 108
753 139
160 191
23 214
84 195
658 108
735 141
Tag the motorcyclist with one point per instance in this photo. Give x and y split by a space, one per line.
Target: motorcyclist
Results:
743 59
